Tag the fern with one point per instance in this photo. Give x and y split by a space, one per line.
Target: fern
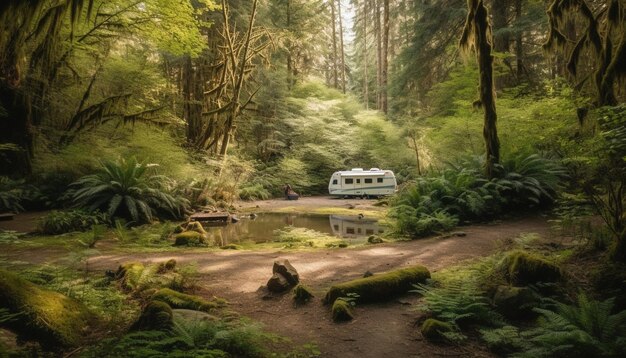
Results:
588 329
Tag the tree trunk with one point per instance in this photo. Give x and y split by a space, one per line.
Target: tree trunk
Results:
17 130
343 59
519 44
385 56
334 57
487 96
366 94
500 10
377 29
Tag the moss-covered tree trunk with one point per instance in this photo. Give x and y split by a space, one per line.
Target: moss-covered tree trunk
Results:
477 34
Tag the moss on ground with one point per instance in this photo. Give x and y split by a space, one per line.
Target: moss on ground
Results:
52 319
342 311
302 294
522 268
380 287
190 238
181 300
434 330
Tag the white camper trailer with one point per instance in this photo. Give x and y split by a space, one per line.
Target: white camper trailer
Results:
359 182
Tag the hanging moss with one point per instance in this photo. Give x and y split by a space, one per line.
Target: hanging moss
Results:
52 319
342 311
156 316
381 286
523 268
181 300
433 330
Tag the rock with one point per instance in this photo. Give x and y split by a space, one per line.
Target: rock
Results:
515 302
459 233
156 316
342 311
253 215
301 293
197 227
368 273
234 219
523 268
192 315
278 283
166 266
374 239
285 269
231 247
50 318
433 330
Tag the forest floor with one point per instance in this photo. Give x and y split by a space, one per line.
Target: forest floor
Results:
378 330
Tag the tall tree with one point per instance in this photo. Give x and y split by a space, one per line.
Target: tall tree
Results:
334 40
385 57
477 35
366 94
343 53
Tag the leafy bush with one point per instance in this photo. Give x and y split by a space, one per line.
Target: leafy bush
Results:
59 222
461 192
125 190
11 195
254 192
588 329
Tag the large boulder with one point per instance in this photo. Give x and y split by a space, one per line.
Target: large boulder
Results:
522 268
285 269
380 287
515 302
278 283
48 317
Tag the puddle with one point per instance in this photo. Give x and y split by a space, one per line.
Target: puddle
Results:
261 228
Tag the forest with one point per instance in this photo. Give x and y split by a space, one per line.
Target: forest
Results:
166 178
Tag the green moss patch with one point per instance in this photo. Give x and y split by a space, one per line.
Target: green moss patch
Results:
52 319
523 268
380 287
181 300
302 294
156 316
342 311
190 238
435 330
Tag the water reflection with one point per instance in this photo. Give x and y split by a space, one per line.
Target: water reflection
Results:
261 228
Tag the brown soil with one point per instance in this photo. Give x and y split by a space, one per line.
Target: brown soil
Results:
379 330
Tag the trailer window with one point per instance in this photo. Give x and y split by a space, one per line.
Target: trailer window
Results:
349 181
334 181
358 181
368 180
379 180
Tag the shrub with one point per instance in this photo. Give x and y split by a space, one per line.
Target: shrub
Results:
59 222
588 329
254 192
125 190
380 287
11 195
435 330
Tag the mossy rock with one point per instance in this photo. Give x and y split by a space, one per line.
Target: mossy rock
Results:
342 311
190 238
374 239
380 287
129 274
156 316
48 317
196 227
302 294
434 330
522 268
184 301
167 266
515 302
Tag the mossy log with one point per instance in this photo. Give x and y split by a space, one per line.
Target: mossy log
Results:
342 311
380 287
181 300
523 268
48 317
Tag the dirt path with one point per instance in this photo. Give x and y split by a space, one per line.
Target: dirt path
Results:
379 329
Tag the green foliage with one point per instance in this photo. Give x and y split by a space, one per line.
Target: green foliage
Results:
504 340
459 302
588 329
522 268
439 200
181 300
254 192
59 222
437 331
126 190
12 193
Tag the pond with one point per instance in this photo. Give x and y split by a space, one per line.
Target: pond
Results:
261 228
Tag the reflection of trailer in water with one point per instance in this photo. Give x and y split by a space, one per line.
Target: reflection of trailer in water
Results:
353 226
